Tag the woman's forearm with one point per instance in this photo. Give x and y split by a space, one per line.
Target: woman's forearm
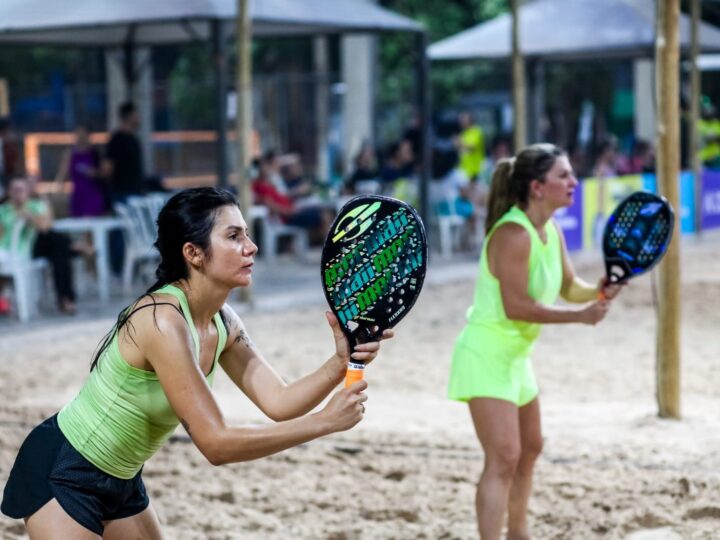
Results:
580 291
303 395
234 444
536 312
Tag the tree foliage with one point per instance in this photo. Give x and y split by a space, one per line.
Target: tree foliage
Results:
441 19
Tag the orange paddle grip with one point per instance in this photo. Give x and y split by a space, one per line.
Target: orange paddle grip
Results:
354 373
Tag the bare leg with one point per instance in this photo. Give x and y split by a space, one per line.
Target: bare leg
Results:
497 426
531 445
51 522
142 526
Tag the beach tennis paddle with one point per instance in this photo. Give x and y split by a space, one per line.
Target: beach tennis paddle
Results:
373 267
636 236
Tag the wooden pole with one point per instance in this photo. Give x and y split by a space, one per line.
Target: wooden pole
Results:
667 133
518 82
695 90
244 116
4 98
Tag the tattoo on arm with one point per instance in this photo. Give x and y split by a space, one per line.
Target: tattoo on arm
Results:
186 426
243 338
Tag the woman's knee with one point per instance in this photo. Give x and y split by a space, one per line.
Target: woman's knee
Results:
532 447
504 459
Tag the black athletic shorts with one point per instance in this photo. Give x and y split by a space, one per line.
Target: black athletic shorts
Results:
47 467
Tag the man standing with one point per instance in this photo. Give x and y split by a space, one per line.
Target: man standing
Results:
123 164
472 146
9 155
122 168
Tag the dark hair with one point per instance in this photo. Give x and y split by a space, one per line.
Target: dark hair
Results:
511 179
189 216
125 110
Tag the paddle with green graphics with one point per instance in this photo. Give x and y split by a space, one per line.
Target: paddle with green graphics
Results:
373 267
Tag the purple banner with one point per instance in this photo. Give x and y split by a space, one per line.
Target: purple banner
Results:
710 199
570 220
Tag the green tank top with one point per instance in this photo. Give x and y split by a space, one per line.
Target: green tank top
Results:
488 330
122 416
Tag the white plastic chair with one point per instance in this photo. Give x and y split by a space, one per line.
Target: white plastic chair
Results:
271 229
26 274
139 237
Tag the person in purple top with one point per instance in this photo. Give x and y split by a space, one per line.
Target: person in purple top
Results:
82 164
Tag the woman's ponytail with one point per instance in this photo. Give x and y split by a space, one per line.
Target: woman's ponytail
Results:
502 195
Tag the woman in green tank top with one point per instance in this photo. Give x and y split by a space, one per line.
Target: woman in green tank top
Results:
78 474
523 268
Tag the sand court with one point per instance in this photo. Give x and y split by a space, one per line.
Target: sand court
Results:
610 467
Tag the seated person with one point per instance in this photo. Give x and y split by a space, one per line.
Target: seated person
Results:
315 219
450 189
397 174
364 177
38 239
297 187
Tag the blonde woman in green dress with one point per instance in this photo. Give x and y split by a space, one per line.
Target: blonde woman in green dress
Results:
524 267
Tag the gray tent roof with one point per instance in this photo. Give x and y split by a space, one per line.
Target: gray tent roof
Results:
109 22
570 29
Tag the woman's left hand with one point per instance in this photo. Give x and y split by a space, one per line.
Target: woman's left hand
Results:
609 290
363 352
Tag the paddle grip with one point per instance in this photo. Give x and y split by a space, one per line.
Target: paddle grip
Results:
354 373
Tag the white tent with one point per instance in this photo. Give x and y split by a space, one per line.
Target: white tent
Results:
153 22
570 29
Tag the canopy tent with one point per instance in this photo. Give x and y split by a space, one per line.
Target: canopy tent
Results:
577 29
109 22
132 23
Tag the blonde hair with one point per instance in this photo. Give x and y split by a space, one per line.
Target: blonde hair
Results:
510 183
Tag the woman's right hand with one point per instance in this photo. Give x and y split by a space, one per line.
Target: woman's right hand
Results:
345 408
594 312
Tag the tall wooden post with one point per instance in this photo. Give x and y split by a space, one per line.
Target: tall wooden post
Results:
695 90
518 82
667 132
244 115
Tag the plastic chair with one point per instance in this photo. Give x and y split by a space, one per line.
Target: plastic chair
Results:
139 237
26 274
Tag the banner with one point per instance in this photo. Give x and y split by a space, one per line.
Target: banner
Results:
571 221
710 199
600 197
686 214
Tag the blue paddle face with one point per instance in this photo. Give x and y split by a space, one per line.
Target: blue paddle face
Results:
637 235
373 265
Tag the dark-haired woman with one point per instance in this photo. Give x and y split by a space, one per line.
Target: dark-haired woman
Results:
78 474
524 267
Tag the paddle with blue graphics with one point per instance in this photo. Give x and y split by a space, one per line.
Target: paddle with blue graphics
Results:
373 267
636 236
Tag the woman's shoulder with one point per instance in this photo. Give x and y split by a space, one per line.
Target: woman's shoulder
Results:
157 310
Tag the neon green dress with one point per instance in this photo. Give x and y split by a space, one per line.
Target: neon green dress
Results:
122 416
492 353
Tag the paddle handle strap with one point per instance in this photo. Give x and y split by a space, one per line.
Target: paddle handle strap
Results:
354 373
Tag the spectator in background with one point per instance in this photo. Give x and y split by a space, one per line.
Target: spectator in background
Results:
123 163
398 162
606 164
709 131
38 239
315 219
450 190
122 168
10 165
82 164
472 146
297 187
397 173
364 177
642 159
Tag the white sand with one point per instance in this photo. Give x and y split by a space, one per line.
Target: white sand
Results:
611 468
